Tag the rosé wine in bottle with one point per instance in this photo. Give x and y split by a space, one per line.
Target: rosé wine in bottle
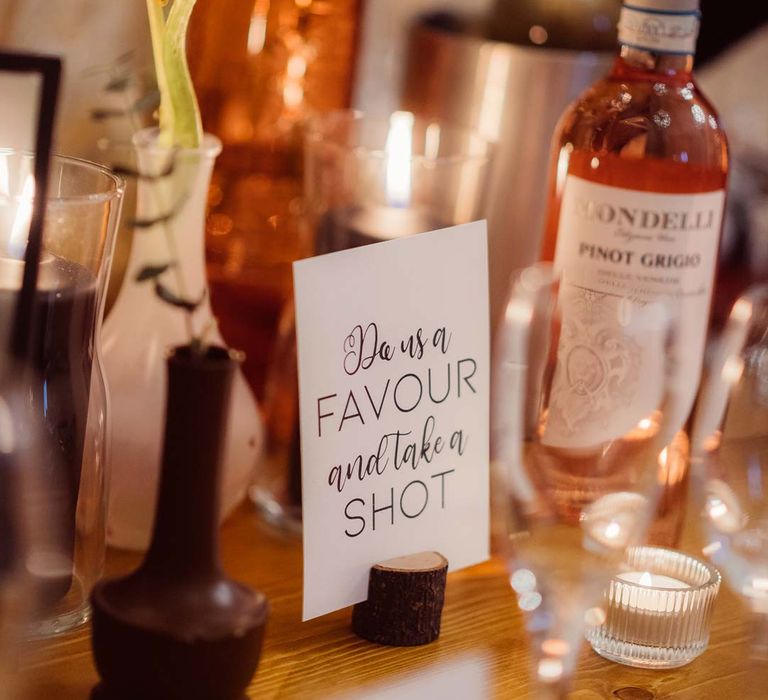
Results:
637 190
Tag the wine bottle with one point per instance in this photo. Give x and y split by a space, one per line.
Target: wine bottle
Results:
637 189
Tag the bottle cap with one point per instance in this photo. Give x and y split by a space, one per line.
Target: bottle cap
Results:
660 26
665 5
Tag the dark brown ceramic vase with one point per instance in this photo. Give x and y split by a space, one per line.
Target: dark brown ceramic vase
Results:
178 627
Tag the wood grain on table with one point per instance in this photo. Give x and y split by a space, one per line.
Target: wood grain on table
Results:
482 637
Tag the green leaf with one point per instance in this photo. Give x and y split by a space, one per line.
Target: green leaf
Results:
100 115
128 171
149 272
147 103
119 83
117 64
174 300
126 57
162 218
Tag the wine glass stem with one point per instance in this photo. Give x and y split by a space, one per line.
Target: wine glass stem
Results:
552 691
554 676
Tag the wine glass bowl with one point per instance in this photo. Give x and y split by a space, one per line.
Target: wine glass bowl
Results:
730 452
585 406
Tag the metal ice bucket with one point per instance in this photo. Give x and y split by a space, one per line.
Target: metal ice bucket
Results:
513 96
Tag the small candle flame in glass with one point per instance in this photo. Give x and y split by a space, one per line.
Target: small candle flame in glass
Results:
646 579
17 241
399 150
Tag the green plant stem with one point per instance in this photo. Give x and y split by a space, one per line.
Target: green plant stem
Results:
187 127
157 31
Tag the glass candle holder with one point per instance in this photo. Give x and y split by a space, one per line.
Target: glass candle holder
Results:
657 610
369 179
65 393
366 179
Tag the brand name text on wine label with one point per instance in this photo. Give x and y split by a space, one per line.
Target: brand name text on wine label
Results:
668 220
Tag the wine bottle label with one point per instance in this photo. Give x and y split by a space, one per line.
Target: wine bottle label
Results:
632 264
660 31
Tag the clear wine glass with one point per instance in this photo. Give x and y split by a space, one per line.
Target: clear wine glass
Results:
730 461
586 399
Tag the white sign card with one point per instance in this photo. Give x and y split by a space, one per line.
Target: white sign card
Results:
393 353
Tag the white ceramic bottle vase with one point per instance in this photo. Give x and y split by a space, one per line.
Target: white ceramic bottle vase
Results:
141 329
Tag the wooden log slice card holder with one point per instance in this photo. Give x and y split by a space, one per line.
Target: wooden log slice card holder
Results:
405 601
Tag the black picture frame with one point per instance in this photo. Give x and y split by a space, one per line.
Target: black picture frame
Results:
49 69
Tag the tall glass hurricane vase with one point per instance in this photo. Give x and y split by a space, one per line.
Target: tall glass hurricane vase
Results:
574 496
63 393
141 329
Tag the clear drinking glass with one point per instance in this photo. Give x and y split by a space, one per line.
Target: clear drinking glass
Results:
583 391
65 388
730 462
366 179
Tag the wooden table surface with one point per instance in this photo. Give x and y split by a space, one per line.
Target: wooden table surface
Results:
482 643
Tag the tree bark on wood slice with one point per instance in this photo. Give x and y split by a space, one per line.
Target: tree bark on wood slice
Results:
405 601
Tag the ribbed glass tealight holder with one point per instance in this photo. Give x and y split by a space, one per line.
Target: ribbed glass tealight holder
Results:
656 611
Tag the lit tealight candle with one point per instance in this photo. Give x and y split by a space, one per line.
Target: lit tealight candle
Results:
656 614
649 580
652 589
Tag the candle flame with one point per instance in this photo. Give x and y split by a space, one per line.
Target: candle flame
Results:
17 242
732 369
646 579
399 149
742 310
